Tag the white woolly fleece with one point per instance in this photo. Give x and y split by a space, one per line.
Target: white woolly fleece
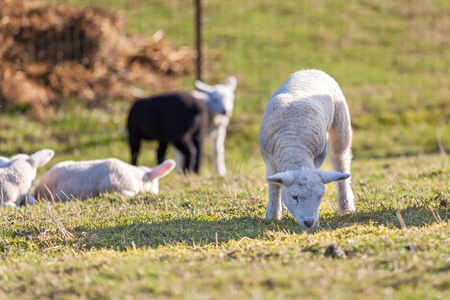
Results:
17 176
293 137
80 180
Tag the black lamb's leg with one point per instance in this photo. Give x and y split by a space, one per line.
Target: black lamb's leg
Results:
198 144
134 140
189 153
162 151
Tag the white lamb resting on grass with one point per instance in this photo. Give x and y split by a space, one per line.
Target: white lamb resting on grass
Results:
17 175
293 144
83 179
218 122
5 160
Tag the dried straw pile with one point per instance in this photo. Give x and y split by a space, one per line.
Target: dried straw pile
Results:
51 52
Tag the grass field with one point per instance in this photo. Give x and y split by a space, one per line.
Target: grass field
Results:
205 237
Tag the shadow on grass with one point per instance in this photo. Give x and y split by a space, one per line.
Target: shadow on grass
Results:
202 230
412 217
196 232
190 232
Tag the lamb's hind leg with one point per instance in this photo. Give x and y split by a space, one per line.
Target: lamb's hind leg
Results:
187 148
134 140
197 139
161 152
340 137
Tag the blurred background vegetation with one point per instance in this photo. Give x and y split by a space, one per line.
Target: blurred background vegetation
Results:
391 59
206 237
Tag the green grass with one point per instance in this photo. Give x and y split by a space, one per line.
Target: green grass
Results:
205 237
390 59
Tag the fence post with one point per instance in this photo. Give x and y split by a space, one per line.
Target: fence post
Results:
198 19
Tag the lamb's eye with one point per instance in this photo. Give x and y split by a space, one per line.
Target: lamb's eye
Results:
295 198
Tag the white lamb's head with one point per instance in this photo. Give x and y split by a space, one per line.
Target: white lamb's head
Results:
302 192
152 176
6 160
221 96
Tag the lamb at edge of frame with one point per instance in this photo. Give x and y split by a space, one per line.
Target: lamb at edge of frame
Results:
17 175
84 179
293 144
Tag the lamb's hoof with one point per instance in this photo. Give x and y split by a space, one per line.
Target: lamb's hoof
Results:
346 205
346 210
272 217
221 173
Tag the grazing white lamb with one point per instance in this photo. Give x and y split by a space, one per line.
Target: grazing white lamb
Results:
83 179
293 144
217 121
17 175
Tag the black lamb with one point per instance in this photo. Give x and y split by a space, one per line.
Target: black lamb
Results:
176 118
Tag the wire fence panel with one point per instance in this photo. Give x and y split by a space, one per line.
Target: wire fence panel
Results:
371 47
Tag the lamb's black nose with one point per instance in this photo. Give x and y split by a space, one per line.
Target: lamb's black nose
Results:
308 223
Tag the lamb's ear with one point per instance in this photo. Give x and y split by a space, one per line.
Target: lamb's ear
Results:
160 170
283 178
328 177
203 87
231 82
40 158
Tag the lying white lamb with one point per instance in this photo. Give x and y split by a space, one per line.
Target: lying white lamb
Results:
17 175
5 160
83 179
218 122
293 144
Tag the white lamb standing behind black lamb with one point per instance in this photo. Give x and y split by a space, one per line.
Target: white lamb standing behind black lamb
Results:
216 96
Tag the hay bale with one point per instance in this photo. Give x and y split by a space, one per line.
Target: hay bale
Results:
51 52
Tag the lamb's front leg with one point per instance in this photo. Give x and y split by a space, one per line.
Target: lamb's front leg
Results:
274 208
218 143
318 161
